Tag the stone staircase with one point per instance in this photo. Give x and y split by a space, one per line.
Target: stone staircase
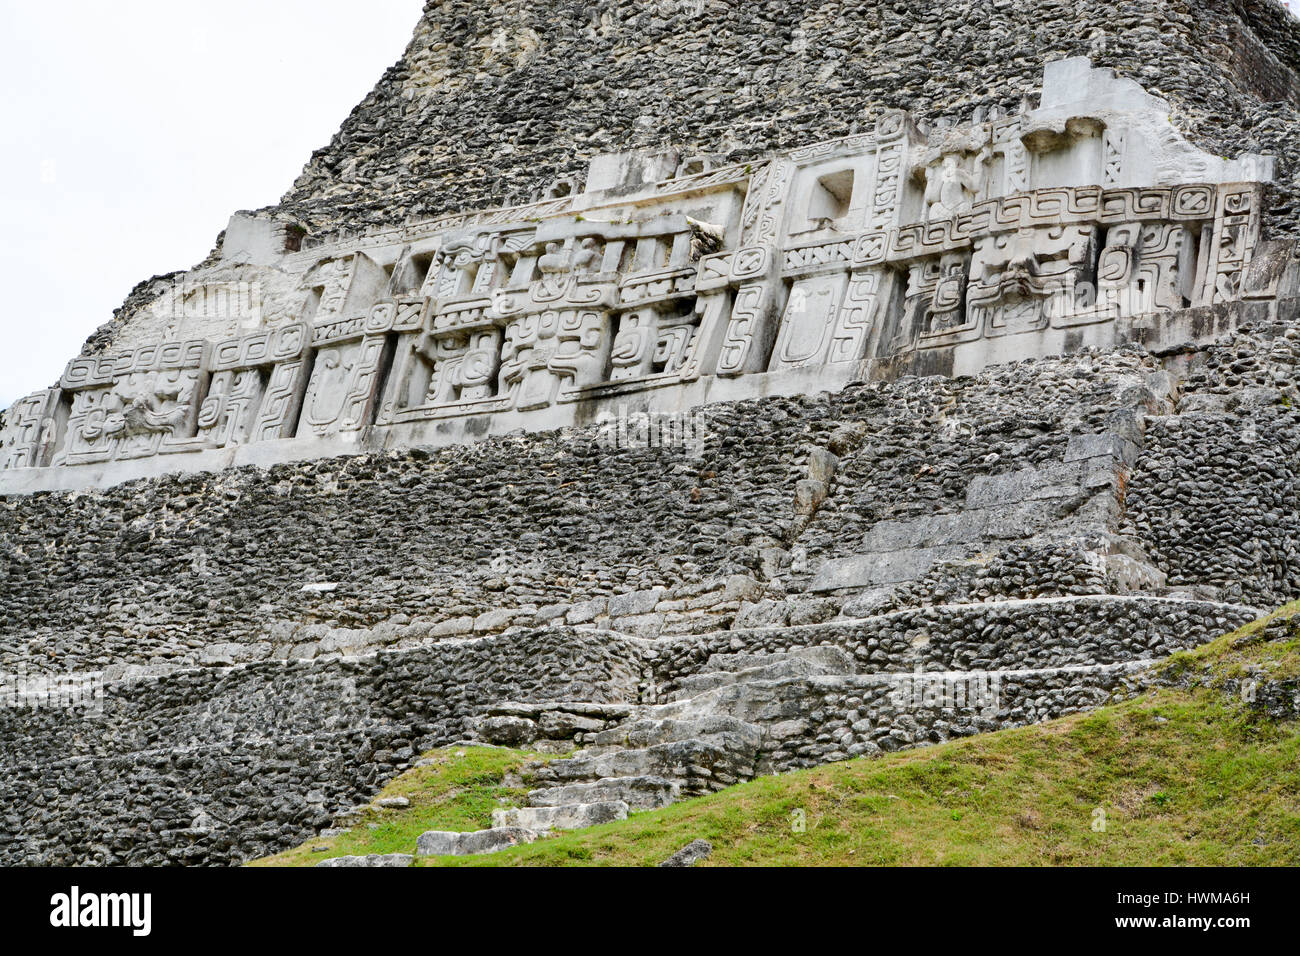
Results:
745 713
635 758
701 739
687 746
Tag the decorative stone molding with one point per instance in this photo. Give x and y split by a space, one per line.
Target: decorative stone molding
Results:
943 249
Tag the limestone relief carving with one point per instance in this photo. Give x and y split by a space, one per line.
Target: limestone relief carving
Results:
966 240
133 417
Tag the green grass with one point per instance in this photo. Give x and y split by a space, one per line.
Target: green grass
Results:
1244 652
1179 776
457 791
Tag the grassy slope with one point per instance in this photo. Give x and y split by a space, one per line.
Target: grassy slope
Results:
1184 776
458 790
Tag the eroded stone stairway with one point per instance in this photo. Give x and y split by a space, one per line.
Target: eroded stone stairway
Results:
743 713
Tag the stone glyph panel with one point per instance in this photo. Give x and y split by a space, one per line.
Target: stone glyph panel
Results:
940 247
28 430
132 405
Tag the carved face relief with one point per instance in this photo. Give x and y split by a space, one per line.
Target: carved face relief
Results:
1015 276
148 403
949 189
132 417
549 350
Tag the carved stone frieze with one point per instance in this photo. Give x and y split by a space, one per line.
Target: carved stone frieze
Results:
969 243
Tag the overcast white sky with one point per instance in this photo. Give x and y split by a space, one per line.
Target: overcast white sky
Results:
131 130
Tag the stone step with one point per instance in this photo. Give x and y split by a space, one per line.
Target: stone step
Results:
758 703
514 708
833 660
728 731
569 816
801 662
374 859
639 793
698 765
451 843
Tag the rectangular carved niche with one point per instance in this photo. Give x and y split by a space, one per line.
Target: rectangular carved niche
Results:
1146 267
133 404
344 386
256 387
654 340
935 307
808 323
548 353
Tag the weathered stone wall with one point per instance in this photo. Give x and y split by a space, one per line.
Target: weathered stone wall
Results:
280 641
216 766
530 530
1042 634
156 570
490 103
552 567
863 716
1216 493
213 766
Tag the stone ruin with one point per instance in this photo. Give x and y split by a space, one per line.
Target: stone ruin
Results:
667 281
709 465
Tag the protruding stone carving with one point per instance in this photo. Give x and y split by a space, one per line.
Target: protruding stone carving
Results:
946 249
949 189
28 430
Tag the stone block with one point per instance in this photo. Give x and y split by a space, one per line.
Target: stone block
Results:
808 496
689 855
822 465
494 620
452 627
872 570
508 731
929 531
1107 444
1027 484
374 859
562 725
567 817
634 602
587 611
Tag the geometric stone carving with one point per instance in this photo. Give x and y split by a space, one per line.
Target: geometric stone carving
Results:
28 429
1229 245
342 391
134 404
256 387
860 314
226 415
138 415
750 331
545 351
1147 267
282 395
960 245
